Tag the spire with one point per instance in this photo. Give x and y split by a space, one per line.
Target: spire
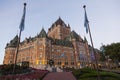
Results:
42 34
85 40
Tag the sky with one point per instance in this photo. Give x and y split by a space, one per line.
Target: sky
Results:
103 16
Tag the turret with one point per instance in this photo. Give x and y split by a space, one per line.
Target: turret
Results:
42 34
10 51
13 43
59 30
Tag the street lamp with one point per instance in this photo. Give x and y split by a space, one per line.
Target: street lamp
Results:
78 64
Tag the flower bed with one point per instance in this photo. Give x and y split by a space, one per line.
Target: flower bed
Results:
33 75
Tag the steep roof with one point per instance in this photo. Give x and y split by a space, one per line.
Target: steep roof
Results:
13 42
59 21
85 40
61 42
73 35
42 34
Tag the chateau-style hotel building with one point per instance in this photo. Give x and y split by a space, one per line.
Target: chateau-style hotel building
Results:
65 47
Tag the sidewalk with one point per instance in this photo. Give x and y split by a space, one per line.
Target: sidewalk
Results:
59 76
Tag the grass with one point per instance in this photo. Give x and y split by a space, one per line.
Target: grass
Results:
91 74
94 78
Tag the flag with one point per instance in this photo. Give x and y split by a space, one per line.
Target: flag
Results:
22 24
86 22
92 54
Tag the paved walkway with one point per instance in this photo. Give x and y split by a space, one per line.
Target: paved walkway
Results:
59 76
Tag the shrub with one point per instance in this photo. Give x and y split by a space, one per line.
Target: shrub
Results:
91 74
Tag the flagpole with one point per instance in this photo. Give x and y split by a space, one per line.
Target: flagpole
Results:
96 62
17 49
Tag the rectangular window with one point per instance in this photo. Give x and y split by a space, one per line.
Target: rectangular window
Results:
40 55
52 49
58 50
72 63
10 61
27 58
23 59
66 63
40 48
40 62
59 63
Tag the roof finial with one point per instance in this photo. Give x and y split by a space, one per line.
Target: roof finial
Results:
85 39
25 4
59 17
17 32
68 25
84 6
42 27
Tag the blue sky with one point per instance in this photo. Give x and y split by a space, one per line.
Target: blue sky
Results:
103 15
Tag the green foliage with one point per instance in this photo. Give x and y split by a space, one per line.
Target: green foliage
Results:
113 51
8 69
94 78
102 56
91 74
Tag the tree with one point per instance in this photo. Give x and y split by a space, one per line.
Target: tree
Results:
102 56
113 51
102 53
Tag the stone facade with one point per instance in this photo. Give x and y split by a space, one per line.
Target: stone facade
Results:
65 47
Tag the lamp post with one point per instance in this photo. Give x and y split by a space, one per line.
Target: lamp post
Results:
78 65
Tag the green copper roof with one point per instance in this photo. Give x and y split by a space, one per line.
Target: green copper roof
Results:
13 43
42 34
61 42
73 35
85 40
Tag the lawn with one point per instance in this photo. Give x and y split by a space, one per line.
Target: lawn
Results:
91 74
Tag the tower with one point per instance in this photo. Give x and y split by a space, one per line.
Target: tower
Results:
10 51
59 30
